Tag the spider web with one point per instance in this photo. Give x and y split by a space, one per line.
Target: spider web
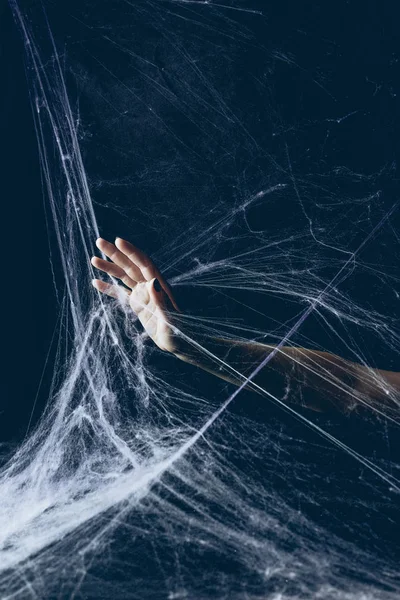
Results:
233 156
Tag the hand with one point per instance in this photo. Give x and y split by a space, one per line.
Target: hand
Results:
147 292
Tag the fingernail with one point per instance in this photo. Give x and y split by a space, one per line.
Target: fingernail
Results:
157 285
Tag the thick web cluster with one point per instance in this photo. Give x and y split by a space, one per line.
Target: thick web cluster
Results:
161 121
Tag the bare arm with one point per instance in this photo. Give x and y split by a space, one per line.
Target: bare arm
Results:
327 380
334 383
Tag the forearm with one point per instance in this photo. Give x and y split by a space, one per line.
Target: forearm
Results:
315 379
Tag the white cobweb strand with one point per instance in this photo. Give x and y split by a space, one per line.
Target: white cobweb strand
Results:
86 459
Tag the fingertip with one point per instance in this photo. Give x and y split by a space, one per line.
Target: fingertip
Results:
97 283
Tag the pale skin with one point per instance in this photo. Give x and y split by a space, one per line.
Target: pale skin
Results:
340 384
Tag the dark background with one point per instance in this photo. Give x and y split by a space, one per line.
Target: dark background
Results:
355 46
28 304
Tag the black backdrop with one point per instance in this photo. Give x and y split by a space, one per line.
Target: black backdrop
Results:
364 62
28 308
360 47
362 65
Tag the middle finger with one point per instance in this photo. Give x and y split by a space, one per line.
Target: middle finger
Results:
113 270
120 259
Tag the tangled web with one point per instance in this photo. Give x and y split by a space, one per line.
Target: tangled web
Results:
224 139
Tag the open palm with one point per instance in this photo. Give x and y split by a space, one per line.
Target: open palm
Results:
147 292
